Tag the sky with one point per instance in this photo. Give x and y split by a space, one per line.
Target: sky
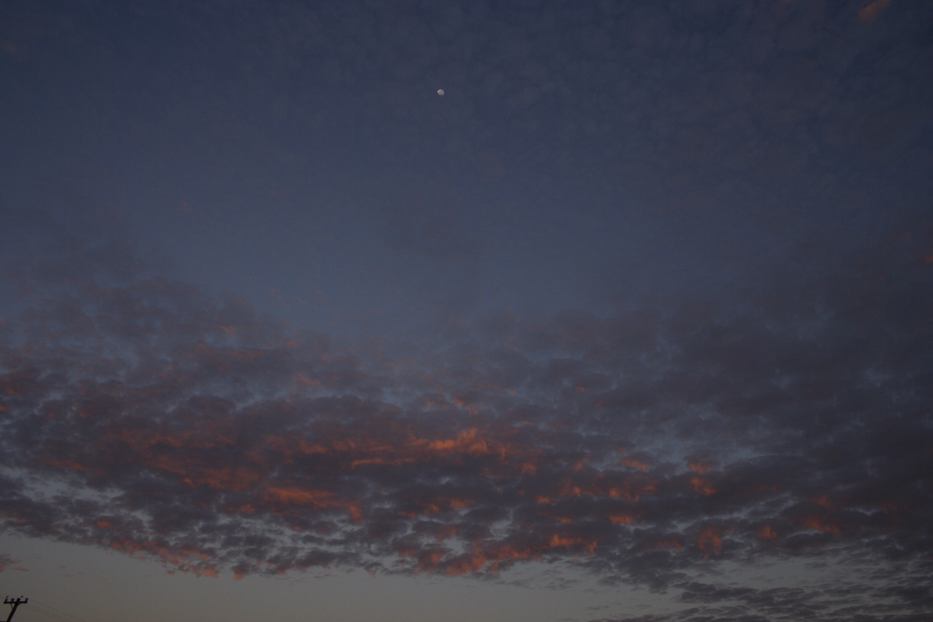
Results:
564 311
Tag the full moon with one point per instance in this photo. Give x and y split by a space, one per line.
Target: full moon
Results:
441 92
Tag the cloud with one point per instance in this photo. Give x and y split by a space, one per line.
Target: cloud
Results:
870 11
9 563
143 416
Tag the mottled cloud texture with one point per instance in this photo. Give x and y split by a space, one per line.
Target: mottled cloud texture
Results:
710 221
649 446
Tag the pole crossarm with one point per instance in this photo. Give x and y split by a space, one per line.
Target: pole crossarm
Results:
14 603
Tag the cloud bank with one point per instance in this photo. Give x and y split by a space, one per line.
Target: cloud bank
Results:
649 446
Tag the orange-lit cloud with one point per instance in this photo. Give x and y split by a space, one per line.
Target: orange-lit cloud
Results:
466 564
185 559
302 496
558 541
709 541
698 467
635 463
467 441
870 11
818 524
702 486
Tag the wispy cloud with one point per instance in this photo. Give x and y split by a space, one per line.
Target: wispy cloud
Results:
871 10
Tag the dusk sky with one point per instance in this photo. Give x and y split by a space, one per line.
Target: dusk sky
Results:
513 310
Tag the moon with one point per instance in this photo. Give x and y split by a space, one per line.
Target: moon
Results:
440 92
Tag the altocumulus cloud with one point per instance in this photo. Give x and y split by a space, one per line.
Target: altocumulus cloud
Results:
141 415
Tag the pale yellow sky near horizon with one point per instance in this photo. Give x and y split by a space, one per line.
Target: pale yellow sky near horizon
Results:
106 586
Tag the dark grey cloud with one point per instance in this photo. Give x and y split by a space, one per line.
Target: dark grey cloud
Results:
793 423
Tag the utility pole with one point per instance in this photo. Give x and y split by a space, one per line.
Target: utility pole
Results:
14 603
